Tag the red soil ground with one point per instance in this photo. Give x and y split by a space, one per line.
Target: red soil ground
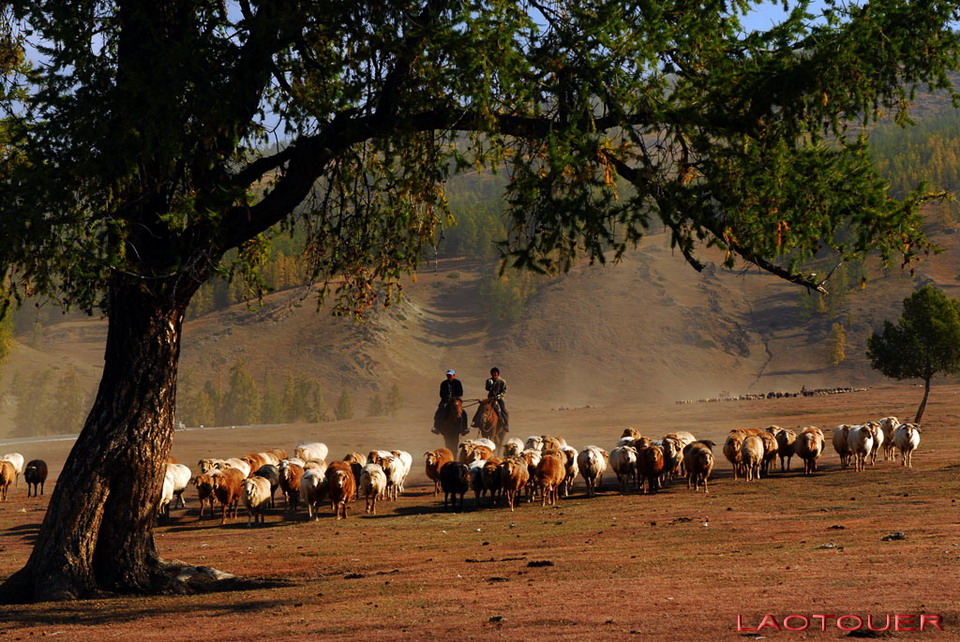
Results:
677 565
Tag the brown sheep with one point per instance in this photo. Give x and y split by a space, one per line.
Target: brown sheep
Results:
279 453
633 433
290 477
341 487
809 447
491 479
769 450
513 478
435 459
786 440
698 462
550 473
204 484
8 475
228 488
650 467
255 461
731 450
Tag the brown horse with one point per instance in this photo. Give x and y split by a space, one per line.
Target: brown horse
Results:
450 423
489 422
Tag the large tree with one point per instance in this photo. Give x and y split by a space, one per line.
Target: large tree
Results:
154 137
924 342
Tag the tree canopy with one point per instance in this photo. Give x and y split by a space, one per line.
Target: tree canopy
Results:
140 145
148 139
924 342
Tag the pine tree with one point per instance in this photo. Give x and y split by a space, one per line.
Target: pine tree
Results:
288 401
241 404
70 406
394 400
375 408
6 332
837 345
33 415
319 408
212 393
204 410
271 407
344 408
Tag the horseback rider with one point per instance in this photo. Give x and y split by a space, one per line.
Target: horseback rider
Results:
450 388
496 389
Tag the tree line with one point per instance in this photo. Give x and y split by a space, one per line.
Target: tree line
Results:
242 401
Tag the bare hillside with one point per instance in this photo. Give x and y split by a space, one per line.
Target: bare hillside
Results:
649 329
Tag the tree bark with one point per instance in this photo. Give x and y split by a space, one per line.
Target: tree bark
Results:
97 534
923 404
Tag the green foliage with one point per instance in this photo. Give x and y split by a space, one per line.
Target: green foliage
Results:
924 342
836 345
504 296
928 152
271 405
846 278
302 400
375 407
47 404
344 409
318 411
154 164
241 403
394 401
6 332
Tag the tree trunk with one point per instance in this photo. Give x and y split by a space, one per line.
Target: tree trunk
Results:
923 404
97 534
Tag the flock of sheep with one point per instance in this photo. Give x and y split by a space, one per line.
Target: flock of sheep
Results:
543 466
751 451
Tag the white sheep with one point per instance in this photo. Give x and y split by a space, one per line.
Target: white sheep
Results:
860 443
312 490
534 442
841 444
907 439
315 450
209 466
512 448
181 476
393 468
592 462
623 461
878 440
889 426
17 460
373 486
256 497
166 496
751 454
239 464
406 461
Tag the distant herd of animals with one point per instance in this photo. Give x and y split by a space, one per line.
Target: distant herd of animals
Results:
544 467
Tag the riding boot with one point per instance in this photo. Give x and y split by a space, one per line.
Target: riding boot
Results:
436 421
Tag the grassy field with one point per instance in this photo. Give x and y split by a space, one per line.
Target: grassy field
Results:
676 565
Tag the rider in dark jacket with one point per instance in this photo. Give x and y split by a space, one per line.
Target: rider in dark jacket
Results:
450 388
496 389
